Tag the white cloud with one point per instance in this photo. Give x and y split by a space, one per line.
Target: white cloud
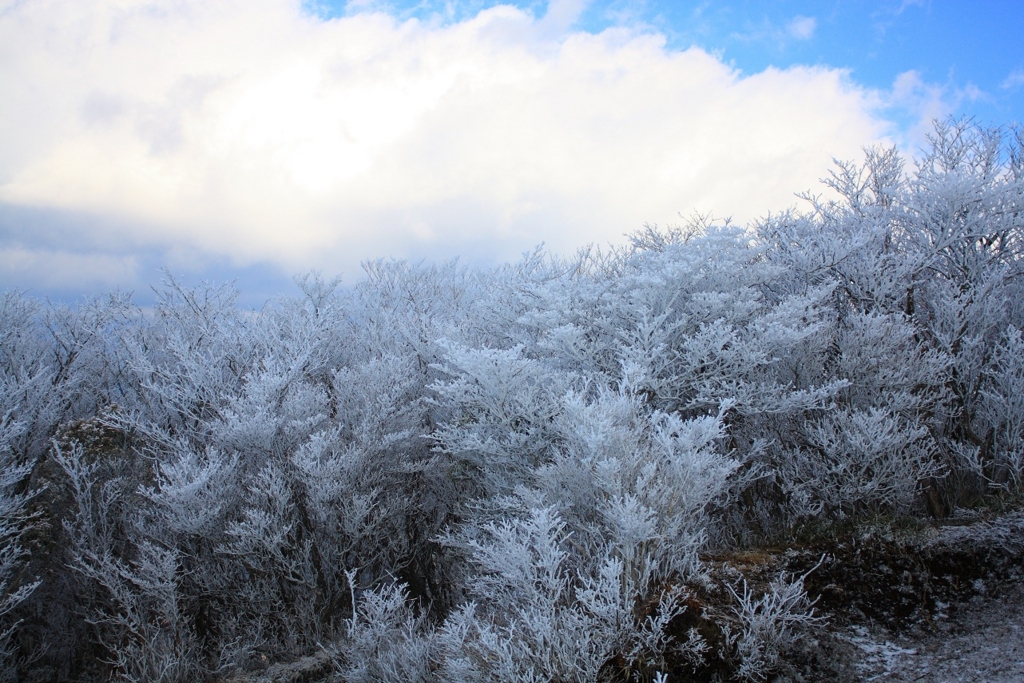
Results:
907 4
253 131
562 14
910 90
802 28
1013 81
920 103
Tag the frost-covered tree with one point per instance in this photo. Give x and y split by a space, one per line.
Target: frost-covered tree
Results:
448 473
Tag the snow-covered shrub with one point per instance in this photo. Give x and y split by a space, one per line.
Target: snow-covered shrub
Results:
639 484
927 274
615 511
15 588
385 640
129 585
541 611
767 625
1003 408
199 349
856 461
503 405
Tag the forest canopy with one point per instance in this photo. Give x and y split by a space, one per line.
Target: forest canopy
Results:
445 473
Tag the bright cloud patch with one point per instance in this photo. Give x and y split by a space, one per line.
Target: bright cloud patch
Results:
802 28
256 132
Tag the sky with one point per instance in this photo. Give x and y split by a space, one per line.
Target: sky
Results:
257 140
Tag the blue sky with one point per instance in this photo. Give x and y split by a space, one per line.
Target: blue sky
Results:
258 139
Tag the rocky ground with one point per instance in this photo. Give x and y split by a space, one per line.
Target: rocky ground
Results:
938 604
980 640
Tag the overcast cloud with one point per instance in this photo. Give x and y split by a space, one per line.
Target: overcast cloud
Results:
250 133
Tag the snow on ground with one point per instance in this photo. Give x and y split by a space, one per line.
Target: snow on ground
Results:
980 640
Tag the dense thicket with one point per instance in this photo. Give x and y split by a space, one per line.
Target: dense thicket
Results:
448 474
